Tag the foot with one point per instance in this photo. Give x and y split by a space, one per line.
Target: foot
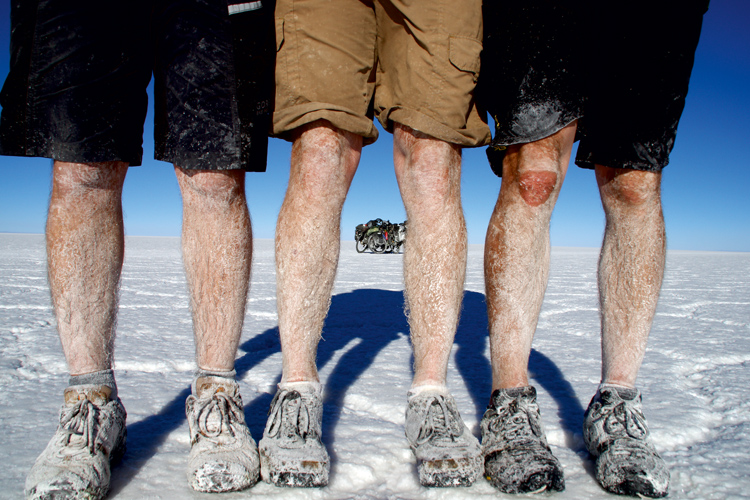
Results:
91 436
447 454
617 436
517 458
291 453
223 455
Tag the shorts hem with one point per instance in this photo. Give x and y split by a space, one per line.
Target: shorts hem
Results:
512 141
70 156
468 137
590 162
289 119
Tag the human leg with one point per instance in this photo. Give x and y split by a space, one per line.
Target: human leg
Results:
217 252
517 457
429 176
517 246
324 160
631 268
429 172
85 246
85 249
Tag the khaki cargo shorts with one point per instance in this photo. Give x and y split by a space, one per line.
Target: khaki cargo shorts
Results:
413 62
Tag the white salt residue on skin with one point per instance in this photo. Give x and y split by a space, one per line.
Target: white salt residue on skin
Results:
694 377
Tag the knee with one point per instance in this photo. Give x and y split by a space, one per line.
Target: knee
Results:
538 168
222 186
323 158
88 180
626 187
426 167
536 187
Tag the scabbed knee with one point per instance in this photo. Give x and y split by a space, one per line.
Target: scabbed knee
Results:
537 187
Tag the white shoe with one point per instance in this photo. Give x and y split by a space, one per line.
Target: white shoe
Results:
447 453
617 436
223 455
291 452
76 462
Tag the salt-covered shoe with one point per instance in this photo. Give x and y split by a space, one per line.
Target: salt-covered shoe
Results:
447 453
223 455
616 434
76 462
517 458
291 453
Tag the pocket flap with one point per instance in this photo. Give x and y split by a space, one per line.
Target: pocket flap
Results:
464 53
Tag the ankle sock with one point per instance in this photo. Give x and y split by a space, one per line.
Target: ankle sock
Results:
103 377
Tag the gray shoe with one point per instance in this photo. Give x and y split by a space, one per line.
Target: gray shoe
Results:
447 453
76 462
223 455
616 434
517 458
291 453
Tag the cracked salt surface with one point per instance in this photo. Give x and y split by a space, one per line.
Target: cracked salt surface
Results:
694 377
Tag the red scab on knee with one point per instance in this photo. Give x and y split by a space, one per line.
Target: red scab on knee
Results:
536 187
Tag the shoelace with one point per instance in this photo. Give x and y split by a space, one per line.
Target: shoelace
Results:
220 407
621 419
440 425
512 420
289 416
80 420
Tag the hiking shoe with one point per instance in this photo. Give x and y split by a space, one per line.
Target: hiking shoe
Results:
223 455
76 462
291 453
517 458
616 434
447 453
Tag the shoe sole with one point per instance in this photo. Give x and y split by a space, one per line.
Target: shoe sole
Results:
448 473
293 473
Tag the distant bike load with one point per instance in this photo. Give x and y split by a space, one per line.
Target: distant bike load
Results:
380 236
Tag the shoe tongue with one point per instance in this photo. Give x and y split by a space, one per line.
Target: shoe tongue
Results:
625 393
205 386
97 394
501 396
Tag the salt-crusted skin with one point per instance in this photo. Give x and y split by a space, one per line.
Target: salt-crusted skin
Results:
75 465
223 456
616 434
291 452
447 453
517 458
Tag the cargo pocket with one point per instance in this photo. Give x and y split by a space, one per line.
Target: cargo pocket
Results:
464 54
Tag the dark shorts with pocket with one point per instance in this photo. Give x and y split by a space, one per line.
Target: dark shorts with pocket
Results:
76 90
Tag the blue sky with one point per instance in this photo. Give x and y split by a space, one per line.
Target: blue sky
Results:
705 187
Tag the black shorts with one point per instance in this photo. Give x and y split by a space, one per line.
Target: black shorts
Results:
530 80
639 63
623 73
76 90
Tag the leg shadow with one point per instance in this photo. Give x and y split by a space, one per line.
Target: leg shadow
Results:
475 368
375 317
146 436
471 344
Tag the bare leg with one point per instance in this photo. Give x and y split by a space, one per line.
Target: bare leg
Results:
217 251
85 248
324 160
429 177
517 247
631 268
